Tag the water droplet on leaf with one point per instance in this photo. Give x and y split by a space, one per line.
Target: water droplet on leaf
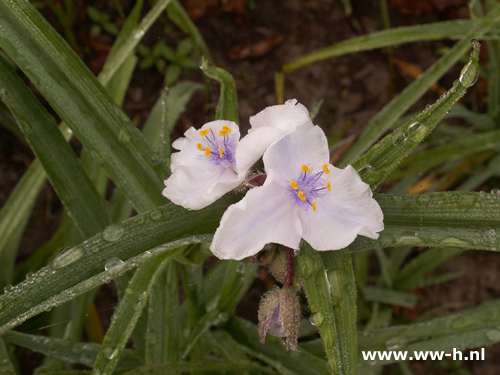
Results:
113 232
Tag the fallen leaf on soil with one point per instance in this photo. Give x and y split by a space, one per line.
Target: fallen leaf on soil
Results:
256 50
197 8
415 73
412 7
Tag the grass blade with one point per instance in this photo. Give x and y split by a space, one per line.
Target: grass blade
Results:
127 313
7 367
227 108
60 163
82 267
82 103
389 296
383 157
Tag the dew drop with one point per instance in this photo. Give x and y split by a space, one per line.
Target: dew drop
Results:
240 268
113 232
114 266
467 73
414 127
317 319
123 136
495 191
148 254
65 258
396 343
8 288
29 275
115 354
399 140
160 214
493 335
489 234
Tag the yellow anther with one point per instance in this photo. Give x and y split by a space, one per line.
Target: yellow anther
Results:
220 152
207 152
301 196
294 185
305 168
329 186
325 168
204 132
225 131
314 206
199 147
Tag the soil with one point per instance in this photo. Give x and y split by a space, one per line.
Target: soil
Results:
354 88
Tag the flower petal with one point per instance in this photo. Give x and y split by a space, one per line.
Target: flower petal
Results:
189 154
197 187
286 117
307 145
263 216
344 213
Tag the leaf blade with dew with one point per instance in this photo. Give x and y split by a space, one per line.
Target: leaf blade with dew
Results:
476 327
202 366
273 352
60 163
81 102
456 150
424 263
448 219
69 351
163 331
390 296
81 267
383 157
127 313
227 108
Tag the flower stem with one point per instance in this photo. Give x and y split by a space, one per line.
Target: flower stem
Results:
289 268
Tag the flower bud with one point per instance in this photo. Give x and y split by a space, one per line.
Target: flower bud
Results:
279 315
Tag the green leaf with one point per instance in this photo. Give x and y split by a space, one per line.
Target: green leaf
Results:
81 268
400 35
70 351
391 297
477 327
383 157
9 123
163 331
328 279
7 366
127 313
237 280
216 367
60 163
227 109
451 219
81 102
273 352
459 149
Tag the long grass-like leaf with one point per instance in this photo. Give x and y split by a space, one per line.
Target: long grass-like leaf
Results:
460 220
273 352
383 157
84 353
81 102
60 163
127 313
7 367
227 108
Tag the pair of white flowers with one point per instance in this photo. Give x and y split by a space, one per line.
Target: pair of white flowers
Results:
303 195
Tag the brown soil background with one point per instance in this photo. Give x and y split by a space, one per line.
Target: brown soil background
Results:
354 88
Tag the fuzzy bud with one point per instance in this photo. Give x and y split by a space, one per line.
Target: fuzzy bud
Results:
279 315
278 267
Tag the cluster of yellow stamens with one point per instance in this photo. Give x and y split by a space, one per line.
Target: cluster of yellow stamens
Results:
225 131
300 193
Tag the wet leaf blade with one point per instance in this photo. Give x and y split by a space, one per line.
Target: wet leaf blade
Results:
81 268
384 119
238 279
273 352
450 219
192 367
390 296
128 312
384 156
60 163
81 102
69 351
386 38
227 108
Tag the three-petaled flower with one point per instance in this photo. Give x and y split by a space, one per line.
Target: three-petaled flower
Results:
303 197
213 160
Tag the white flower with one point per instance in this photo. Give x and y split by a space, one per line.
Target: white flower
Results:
213 161
303 197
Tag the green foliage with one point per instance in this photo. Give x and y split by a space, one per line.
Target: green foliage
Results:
148 253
